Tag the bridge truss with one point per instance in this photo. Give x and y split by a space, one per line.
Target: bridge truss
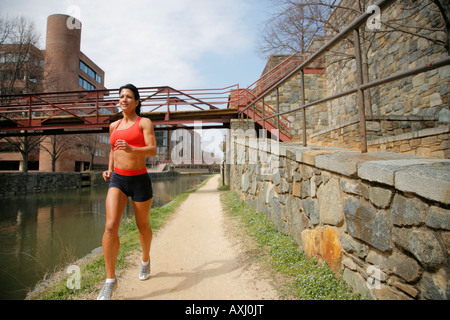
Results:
93 111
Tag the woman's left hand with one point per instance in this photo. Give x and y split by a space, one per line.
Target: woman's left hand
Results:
123 145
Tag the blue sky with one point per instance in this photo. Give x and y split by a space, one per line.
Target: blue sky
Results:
186 44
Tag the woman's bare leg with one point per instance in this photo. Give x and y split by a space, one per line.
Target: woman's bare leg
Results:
116 201
142 213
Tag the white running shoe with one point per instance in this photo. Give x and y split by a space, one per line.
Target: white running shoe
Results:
107 291
144 272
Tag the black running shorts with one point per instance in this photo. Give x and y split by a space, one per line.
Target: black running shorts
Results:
139 187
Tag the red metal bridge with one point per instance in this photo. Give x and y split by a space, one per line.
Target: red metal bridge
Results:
79 112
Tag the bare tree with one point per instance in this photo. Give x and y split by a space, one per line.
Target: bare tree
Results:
20 71
433 33
25 145
5 29
20 59
55 146
444 8
296 23
90 144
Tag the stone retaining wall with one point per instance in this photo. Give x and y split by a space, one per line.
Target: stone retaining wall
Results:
18 183
380 220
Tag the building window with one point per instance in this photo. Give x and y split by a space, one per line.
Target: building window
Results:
85 84
84 67
9 57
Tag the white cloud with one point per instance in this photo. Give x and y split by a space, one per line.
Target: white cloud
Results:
158 42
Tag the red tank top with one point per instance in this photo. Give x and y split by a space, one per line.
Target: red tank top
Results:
132 135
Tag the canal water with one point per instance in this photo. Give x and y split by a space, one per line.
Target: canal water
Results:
41 233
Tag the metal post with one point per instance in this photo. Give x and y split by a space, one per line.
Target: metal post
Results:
359 82
263 115
97 108
254 116
29 111
278 111
302 103
168 105
238 97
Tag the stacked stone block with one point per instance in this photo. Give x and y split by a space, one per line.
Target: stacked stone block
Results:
380 220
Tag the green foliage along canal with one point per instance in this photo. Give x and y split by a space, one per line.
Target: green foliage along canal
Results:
41 233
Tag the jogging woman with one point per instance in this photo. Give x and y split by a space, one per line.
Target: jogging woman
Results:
132 141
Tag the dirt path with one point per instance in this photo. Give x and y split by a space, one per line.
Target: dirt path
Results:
197 255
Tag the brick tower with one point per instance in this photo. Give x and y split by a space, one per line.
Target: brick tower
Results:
62 53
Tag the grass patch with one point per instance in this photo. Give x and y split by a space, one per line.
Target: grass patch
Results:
93 268
310 280
223 187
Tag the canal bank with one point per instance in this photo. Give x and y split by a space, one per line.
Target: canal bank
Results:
41 232
91 266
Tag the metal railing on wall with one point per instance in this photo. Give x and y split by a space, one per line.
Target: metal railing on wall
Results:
352 28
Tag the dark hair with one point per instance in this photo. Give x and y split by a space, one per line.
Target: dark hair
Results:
136 95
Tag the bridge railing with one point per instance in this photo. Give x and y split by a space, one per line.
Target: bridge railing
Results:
264 84
281 70
97 108
261 110
27 111
352 30
170 99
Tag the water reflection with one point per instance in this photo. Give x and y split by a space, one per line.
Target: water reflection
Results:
42 232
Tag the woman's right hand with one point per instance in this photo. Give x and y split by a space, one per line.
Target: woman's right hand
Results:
107 175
